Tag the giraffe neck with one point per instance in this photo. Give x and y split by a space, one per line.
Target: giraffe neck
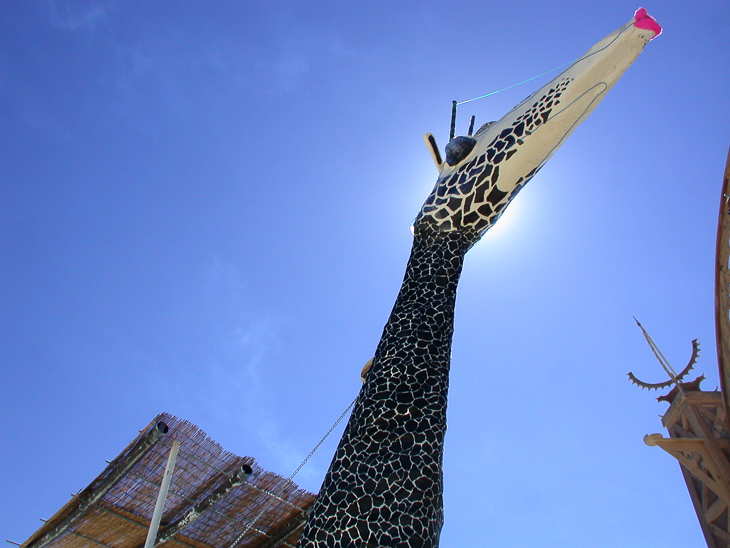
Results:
384 485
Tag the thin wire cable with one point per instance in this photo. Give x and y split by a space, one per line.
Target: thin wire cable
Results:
546 72
517 84
668 368
250 524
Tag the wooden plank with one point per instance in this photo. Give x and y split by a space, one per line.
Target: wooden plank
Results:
718 532
713 447
715 509
722 284
697 502
675 413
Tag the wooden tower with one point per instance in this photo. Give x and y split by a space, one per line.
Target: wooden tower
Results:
700 441
697 421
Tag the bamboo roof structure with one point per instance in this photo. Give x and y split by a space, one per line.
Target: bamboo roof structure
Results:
216 499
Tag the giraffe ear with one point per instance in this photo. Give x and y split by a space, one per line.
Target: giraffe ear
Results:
433 148
365 370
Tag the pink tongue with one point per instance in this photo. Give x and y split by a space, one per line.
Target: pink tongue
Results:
646 21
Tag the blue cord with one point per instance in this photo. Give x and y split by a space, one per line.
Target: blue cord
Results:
546 72
517 84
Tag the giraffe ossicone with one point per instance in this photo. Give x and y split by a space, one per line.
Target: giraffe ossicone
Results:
384 485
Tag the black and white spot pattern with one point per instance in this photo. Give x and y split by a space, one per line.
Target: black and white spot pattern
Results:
471 196
384 486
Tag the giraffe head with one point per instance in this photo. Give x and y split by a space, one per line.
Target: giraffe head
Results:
484 172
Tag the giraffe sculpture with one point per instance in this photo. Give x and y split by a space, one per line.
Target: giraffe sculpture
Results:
384 485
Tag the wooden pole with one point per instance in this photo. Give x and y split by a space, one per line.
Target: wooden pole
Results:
94 493
452 131
162 496
237 478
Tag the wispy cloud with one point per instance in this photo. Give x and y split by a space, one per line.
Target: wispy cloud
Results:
300 52
75 16
132 64
241 384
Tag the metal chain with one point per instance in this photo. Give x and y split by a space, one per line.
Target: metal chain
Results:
250 524
323 438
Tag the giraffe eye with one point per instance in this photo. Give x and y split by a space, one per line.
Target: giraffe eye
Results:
459 148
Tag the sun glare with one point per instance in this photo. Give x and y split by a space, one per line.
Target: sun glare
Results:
505 224
505 230
514 229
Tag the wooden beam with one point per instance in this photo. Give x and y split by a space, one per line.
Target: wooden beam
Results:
715 509
91 540
714 451
239 477
674 444
287 529
718 532
698 499
687 452
143 526
722 288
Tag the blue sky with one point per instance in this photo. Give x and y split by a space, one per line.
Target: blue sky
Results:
205 210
